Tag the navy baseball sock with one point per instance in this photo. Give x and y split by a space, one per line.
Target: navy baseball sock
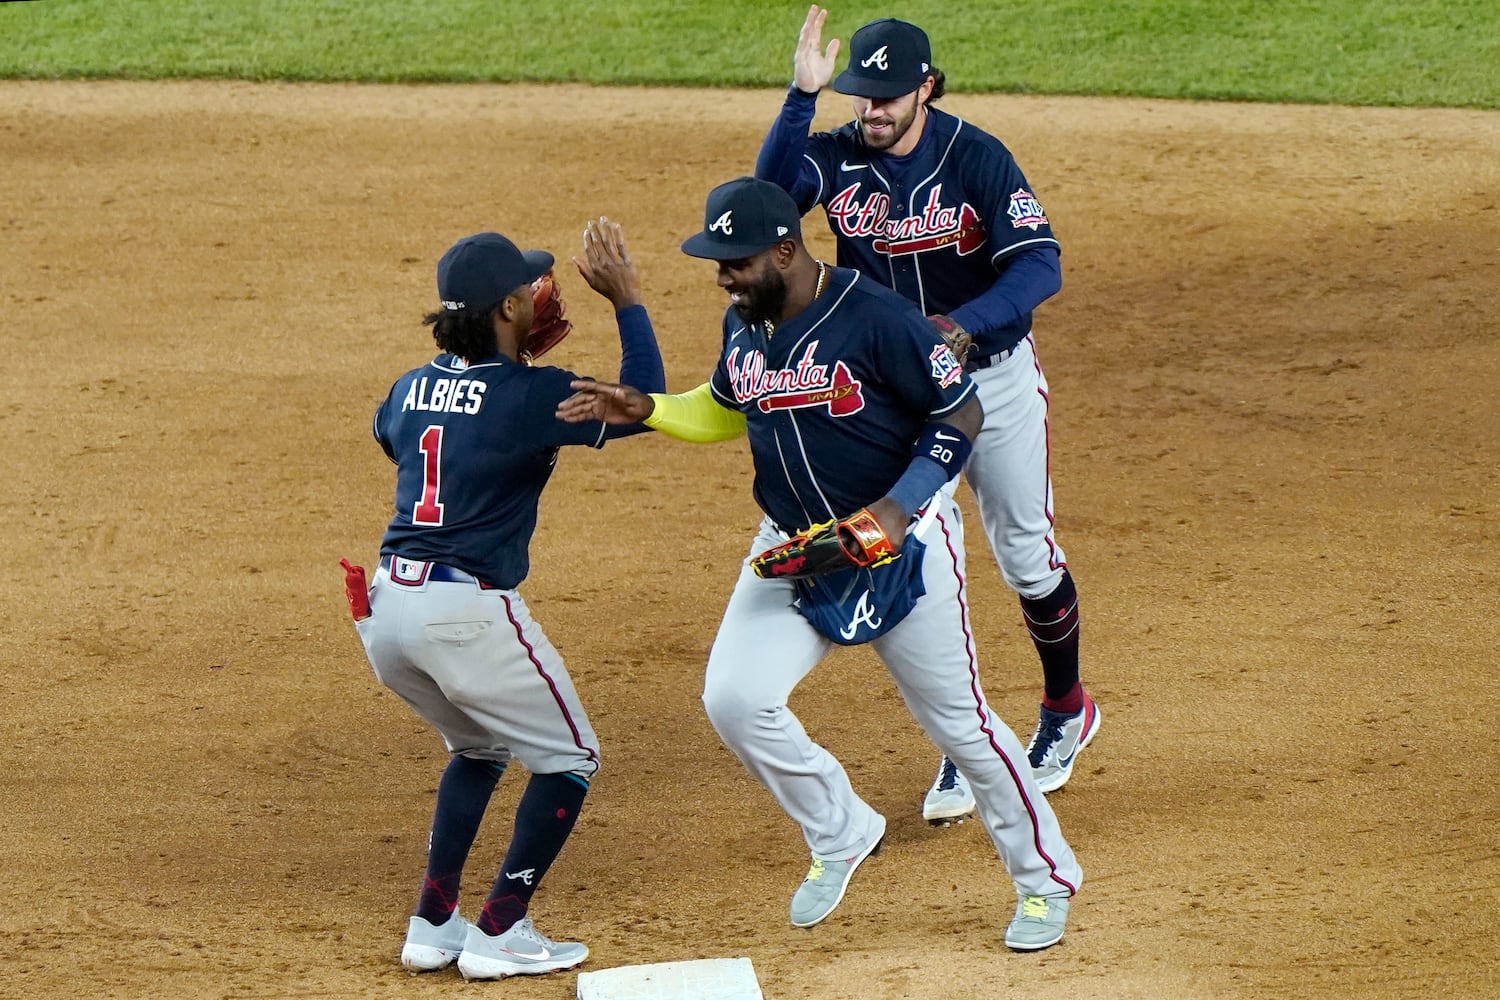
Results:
463 794
1053 624
544 818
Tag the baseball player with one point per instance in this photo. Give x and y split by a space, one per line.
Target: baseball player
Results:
474 440
929 205
856 412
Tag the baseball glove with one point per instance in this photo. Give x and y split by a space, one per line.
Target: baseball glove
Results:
856 540
549 318
956 337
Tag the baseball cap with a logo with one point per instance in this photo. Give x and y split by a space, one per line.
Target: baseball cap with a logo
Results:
887 58
480 270
744 217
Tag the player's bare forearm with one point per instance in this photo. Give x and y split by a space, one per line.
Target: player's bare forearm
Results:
967 419
891 517
607 401
606 264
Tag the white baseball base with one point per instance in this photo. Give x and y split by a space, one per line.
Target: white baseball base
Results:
705 979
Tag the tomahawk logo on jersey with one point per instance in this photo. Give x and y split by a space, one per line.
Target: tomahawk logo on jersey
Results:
935 227
806 384
844 386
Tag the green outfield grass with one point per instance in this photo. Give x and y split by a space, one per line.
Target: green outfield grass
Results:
1390 52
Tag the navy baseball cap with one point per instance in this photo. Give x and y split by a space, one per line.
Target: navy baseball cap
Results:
480 270
887 58
744 217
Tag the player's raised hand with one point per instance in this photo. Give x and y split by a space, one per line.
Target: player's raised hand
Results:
606 401
606 263
812 66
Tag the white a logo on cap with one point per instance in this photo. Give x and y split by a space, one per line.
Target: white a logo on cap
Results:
723 224
781 230
877 58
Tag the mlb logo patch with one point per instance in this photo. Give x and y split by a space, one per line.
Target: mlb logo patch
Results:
411 572
945 367
1025 210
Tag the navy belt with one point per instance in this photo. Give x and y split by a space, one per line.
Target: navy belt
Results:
415 572
975 364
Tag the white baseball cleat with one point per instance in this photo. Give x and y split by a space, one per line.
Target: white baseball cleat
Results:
430 947
950 799
520 951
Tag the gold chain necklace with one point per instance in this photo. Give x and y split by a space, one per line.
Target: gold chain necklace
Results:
822 273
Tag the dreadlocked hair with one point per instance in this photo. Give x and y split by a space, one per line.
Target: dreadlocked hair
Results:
468 333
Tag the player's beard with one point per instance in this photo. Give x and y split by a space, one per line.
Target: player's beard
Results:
899 124
763 300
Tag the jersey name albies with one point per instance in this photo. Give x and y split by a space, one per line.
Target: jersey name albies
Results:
444 395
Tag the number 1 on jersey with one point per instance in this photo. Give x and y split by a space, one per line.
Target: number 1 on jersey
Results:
429 509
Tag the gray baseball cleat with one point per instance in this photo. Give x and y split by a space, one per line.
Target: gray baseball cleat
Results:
950 799
520 951
1038 923
430 947
1055 744
823 889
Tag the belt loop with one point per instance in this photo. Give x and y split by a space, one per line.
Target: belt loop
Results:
991 360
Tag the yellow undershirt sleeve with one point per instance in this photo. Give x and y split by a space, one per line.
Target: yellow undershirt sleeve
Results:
695 416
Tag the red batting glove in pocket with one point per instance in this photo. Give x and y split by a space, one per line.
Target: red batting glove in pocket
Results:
356 590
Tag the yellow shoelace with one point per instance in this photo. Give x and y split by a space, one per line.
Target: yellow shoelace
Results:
1034 906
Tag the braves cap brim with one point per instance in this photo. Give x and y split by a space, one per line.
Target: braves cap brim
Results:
538 263
709 247
882 89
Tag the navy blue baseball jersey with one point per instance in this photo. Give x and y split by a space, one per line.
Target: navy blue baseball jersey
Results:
474 445
936 225
835 396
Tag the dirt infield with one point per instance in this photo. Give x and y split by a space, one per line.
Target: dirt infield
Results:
1276 423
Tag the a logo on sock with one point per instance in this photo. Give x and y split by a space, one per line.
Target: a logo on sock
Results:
525 875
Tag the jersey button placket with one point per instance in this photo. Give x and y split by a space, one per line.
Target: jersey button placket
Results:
903 267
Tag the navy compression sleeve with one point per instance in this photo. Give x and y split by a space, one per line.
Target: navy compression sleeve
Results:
1030 278
780 160
640 362
640 358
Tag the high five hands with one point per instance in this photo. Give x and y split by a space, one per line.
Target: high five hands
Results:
606 263
606 401
812 66
607 267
